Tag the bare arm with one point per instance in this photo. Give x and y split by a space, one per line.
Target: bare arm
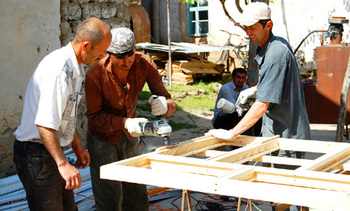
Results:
83 157
70 174
255 112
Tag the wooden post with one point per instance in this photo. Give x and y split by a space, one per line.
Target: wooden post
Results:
343 105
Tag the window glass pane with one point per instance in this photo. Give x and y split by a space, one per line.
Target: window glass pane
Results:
203 15
203 27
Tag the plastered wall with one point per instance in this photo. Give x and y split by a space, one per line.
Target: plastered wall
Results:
28 31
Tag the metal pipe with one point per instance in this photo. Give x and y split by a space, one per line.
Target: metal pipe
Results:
306 38
155 21
169 44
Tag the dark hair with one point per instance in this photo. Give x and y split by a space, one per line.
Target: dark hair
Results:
264 22
238 70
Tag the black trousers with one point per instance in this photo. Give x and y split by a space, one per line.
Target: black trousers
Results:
38 172
229 121
115 195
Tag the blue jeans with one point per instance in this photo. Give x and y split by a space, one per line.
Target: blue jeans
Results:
38 172
114 195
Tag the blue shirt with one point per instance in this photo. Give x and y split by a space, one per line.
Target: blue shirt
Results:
229 92
280 85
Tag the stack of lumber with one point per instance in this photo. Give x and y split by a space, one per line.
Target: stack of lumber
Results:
184 72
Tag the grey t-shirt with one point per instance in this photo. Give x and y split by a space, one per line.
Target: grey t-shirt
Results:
280 85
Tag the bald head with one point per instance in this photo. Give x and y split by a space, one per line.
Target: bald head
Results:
91 41
92 30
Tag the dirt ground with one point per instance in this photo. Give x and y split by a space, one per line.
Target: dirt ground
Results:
199 118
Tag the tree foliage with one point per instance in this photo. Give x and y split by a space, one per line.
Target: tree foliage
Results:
188 1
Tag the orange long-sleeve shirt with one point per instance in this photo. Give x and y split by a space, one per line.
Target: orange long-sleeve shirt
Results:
109 103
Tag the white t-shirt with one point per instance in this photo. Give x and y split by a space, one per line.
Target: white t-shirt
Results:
52 97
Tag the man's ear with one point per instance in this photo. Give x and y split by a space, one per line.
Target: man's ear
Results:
86 45
269 24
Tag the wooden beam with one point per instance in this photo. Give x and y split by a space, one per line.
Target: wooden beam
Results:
223 173
248 152
329 160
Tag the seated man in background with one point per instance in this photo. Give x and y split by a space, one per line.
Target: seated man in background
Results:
230 91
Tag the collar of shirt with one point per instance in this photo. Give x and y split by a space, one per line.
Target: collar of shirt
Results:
78 69
233 86
260 52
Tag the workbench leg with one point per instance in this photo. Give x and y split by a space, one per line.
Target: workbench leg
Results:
239 203
249 203
186 195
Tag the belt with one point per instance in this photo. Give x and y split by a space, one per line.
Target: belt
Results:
29 145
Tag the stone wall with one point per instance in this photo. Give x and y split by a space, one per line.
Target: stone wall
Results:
113 12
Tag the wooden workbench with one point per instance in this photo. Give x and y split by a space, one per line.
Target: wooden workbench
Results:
195 165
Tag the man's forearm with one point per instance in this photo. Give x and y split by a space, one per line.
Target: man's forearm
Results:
255 112
76 141
50 140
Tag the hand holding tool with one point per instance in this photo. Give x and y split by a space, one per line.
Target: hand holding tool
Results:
133 126
159 105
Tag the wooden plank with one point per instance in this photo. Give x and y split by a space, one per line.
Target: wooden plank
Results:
190 165
326 199
343 166
248 153
223 173
257 148
283 160
194 146
198 70
156 190
308 145
306 179
329 160
181 78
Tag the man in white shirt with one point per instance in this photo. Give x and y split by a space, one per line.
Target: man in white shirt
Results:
49 118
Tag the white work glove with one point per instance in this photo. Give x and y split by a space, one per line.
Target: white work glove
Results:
221 134
133 126
159 105
245 95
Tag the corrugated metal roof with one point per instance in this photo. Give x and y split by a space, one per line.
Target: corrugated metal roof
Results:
182 47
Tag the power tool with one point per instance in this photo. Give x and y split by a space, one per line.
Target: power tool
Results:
228 107
159 127
156 128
